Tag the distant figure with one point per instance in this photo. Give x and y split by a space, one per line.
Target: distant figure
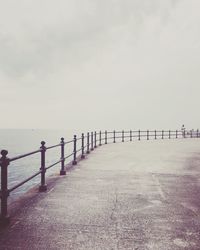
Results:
183 130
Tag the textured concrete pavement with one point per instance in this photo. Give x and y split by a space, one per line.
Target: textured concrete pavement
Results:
140 195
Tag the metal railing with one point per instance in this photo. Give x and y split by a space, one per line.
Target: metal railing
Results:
88 143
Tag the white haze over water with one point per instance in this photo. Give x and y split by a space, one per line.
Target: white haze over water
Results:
109 64
20 141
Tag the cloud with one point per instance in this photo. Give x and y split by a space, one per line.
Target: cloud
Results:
108 58
38 36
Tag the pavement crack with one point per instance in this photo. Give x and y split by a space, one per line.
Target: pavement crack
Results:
158 185
114 218
115 206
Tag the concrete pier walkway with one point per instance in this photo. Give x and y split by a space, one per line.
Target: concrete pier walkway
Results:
133 195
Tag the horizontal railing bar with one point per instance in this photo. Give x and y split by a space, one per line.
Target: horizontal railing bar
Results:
54 146
23 182
68 156
78 139
24 155
78 150
53 164
37 151
67 142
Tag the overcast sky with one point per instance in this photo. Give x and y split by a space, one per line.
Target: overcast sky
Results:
84 64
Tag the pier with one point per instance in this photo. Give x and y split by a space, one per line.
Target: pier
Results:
137 190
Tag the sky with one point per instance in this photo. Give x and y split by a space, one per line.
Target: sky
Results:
99 64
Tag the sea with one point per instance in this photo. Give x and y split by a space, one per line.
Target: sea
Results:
22 141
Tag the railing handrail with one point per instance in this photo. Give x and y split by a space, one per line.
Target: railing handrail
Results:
88 143
102 133
24 155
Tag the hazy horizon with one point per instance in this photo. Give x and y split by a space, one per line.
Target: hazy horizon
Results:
78 65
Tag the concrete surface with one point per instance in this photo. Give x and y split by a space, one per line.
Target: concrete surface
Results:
140 195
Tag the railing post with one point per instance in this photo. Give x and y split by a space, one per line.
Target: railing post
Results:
197 133
114 137
155 135
62 144
100 138
82 146
95 139
176 134
122 135
169 134
43 186
4 162
130 135
162 134
74 160
106 137
147 134
184 133
88 143
92 142
191 134
139 135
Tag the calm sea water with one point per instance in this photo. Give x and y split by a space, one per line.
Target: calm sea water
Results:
22 141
